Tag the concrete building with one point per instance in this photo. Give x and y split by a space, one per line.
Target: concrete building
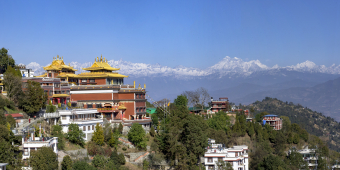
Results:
273 120
219 105
236 156
309 156
26 72
3 166
34 143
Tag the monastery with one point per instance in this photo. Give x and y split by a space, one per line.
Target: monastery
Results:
100 88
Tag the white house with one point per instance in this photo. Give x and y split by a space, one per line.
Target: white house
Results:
85 118
26 72
236 156
35 143
310 156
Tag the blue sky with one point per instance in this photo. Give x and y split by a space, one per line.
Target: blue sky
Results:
189 33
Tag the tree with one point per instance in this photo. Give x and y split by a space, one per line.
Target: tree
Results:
82 165
199 96
66 164
137 135
44 159
152 131
220 121
181 100
296 160
120 128
98 135
296 138
5 60
57 132
99 161
272 162
13 86
145 164
154 119
113 141
75 135
11 120
35 97
149 105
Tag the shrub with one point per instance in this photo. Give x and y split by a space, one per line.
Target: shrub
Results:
124 148
59 105
99 161
137 135
67 163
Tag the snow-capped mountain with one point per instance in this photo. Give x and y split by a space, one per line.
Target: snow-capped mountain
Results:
226 67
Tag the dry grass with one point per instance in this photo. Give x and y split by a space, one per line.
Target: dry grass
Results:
70 146
132 166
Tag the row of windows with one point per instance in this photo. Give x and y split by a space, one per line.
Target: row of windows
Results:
140 96
141 109
88 128
90 105
57 92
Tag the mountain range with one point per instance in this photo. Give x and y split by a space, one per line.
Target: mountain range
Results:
241 81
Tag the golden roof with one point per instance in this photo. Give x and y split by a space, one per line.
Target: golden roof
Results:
101 74
100 64
63 75
58 64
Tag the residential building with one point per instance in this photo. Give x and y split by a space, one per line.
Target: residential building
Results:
236 156
310 156
3 166
336 167
34 143
25 72
273 120
219 105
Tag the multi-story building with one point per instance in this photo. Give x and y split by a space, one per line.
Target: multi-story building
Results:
236 156
101 89
309 156
25 72
273 120
219 105
34 143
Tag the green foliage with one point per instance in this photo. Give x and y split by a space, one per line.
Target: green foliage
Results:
75 135
69 104
219 121
44 158
148 104
120 128
13 87
224 165
296 138
145 164
295 159
35 98
13 71
152 131
259 117
94 149
50 108
99 161
137 135
82 165
113 142
154 119
5 60
59 105
67 163
272 162
98 135
117 160
11 120
57 132
219 135
181 100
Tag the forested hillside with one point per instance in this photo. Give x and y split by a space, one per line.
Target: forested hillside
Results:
314 122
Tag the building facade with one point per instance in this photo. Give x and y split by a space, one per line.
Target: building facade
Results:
34 143
273 120
236 156
219 105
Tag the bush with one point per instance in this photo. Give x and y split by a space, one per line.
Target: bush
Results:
75 135
137 135
124 148
82 165
67 163
59 105
98 135
93 149
99 161
69 104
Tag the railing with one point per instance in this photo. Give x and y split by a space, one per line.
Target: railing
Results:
107 109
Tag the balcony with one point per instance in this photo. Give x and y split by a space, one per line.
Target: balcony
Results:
108 110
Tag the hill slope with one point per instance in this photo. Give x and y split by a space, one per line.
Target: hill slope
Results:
314 122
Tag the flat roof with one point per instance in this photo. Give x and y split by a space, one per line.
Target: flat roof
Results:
270 116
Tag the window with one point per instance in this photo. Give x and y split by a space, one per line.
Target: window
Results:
51 92
63 92
63 117
98 105
89 128
210 159
236 153
62 79
67 91
92 127
220 159
92 81
26 151
84 128
56 85
89 105
84 80
49 74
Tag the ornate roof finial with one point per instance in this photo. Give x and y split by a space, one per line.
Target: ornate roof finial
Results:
53 58
69 64
101 58
58 57
97 59
62 58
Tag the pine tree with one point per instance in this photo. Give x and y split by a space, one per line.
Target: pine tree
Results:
112 141
152 131
67 163
98 135
120 128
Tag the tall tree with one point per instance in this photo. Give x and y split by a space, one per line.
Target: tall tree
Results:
5 60
98 135
67 163
181 100
35 97
13 86
198 97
